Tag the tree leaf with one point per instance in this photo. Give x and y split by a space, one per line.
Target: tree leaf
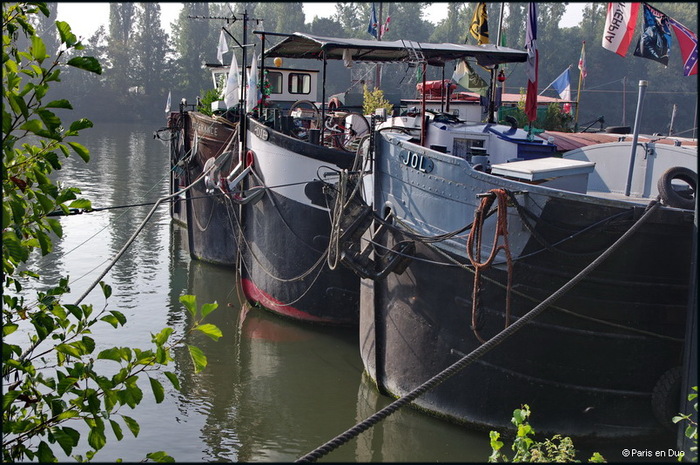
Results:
44 453
82 123
65 33
61 103
160 457
210 330
132 425
117 430
198 358
190 302
158 391
162 337
96 437
173 379
208 308
80 149
67 438
110 354
38 49
86 63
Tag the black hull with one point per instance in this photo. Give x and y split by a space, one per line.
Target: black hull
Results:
586 367
284 268
212 218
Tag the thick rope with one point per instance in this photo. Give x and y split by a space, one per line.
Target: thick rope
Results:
475 235
476 353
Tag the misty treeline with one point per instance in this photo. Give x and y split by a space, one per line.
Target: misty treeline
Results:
142 63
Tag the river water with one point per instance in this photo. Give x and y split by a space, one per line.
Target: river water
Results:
274 389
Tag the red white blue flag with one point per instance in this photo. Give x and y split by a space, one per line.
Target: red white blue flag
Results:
532 62
688 43
619 26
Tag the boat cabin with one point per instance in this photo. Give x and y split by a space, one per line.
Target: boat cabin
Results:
287 85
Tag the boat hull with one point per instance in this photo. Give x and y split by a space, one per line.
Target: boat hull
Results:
212 217
587 366
286 232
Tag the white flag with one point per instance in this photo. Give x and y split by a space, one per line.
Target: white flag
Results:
167 104
252 98
232 89
222 48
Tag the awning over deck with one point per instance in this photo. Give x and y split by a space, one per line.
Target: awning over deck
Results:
308 46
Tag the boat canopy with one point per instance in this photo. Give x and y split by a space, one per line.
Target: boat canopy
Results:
299 45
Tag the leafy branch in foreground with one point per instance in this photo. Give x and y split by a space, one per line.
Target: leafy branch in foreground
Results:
55 377
556 449
691 430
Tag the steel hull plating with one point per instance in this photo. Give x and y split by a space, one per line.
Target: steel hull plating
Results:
286 233
212 218
587 366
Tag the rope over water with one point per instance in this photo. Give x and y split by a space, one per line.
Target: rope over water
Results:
475 354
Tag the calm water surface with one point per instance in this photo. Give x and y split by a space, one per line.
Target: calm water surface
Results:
274 389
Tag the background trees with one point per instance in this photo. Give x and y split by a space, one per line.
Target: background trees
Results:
139 54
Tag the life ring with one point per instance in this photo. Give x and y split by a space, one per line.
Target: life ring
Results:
673 198
666 397
334 103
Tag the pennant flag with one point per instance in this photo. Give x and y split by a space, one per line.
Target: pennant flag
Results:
222 47
372 27
466 77
532 62
655 42
619 27
582 61
252 98
232 90
688 43
479 28
167 104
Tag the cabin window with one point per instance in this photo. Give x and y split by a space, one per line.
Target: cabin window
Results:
275 80
299 83
466 148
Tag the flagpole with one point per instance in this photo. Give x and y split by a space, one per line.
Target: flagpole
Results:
378 68
578 93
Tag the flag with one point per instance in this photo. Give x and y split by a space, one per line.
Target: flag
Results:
619 26
385 28
466 77
252 98
232 89
222 47
562 85
582 61
372 27
688 43
167 104
532 62
655 41
479 28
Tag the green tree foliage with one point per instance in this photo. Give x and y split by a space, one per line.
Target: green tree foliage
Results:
52 374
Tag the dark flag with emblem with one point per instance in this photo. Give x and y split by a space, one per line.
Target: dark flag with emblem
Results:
479 28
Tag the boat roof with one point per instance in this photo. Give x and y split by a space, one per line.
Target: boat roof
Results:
300 45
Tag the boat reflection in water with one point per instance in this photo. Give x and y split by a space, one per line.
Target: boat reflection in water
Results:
274 390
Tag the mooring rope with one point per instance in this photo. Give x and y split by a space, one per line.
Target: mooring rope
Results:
476 353
139 229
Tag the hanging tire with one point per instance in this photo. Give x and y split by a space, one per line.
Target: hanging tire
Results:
672 197
666 397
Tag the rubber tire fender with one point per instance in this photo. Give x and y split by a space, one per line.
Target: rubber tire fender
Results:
669 196
666 397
